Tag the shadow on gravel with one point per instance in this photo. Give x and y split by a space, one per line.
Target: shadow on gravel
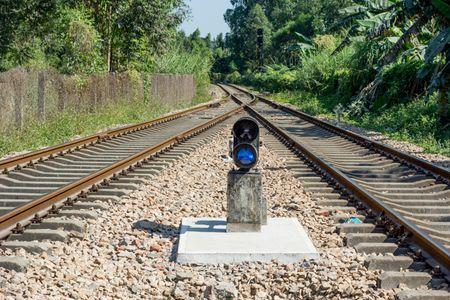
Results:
157 229
163 231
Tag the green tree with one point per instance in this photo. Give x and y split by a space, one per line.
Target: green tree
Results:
134 30
21 22
244 22
126 33
257 19
74 46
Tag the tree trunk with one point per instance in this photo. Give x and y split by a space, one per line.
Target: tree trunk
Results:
109 46
444 97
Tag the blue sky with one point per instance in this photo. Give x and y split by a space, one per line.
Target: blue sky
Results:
208 16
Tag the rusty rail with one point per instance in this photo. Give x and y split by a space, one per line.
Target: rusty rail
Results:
23 215
420 237
28 158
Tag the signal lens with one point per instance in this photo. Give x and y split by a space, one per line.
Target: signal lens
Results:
246 156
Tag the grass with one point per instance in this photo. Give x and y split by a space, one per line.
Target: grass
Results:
69 125
414 122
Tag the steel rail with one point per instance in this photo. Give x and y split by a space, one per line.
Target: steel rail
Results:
420 237
23 215
28 158
425 165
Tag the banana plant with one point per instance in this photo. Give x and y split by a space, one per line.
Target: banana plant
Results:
437 60
304 43
368 19
418 13
373 18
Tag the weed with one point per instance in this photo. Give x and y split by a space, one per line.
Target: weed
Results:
69 125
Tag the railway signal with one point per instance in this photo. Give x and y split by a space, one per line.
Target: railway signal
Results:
245 148
247 209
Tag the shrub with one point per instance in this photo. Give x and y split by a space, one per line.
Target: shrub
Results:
397 84
416 122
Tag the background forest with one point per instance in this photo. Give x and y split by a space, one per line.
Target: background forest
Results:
78 45
98 36
380 64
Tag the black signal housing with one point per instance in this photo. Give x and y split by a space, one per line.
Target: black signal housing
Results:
246 143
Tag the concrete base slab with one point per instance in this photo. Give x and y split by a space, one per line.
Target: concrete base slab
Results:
205 241
240 227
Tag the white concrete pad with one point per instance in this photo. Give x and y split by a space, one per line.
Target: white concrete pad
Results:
205 241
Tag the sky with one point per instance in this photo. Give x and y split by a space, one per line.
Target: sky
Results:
207 15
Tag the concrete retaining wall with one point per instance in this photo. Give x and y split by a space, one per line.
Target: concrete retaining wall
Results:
36 95
173 89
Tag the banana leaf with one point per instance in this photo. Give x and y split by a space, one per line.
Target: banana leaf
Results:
375 20
437 45
303 39
442 7
352 10
379 4
304 46
411 32
393 39
359 38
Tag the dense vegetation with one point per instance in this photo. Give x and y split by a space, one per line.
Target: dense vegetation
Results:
97 36
382 64
89 38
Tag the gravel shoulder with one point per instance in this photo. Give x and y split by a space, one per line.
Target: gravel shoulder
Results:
128 251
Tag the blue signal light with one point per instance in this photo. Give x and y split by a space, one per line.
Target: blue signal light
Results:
246 156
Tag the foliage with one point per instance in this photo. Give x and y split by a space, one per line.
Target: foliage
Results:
285 23
68 124
75 47
134 30
376 59
415 122
87 36
188 55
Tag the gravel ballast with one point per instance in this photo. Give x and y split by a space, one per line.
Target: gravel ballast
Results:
128 252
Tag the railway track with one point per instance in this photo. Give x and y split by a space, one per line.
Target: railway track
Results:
403 202
41 191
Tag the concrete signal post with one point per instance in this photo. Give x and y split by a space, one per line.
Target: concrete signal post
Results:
246 234
247 209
